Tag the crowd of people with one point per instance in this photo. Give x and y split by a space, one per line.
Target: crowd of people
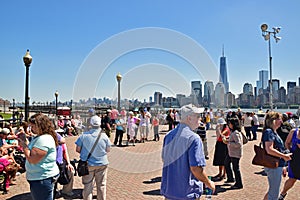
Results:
42 142
280 138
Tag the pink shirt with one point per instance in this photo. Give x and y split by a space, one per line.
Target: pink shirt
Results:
114 114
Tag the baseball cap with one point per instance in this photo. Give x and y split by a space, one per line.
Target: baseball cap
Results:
190 109
95 121
221 121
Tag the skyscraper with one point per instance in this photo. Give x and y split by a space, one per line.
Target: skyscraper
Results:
223 72
248 89
262 82
219 95
275 85
197 90
158 98
290 86
208 92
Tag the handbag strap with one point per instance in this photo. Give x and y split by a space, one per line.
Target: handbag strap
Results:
91 151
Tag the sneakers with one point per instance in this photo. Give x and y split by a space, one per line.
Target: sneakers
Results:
282 196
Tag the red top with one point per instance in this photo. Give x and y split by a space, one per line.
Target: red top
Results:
226 134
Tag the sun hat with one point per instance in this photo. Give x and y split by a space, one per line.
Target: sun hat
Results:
5 131
60 130
130 113
190 109
95 121
221 121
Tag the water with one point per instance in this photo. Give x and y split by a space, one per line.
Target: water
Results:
264 110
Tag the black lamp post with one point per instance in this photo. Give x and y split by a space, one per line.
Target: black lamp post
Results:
119 78
13 107
27 61
56 96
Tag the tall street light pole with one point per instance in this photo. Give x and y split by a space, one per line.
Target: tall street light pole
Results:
267 34
56 96
27 59
119 78
13 107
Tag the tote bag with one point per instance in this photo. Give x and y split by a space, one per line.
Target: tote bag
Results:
261 158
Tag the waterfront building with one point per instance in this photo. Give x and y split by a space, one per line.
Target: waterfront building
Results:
208 97
296 94
247 88
158 98
290 95
246 100
282 95
219 95
196 89
275 86
229 99
263 80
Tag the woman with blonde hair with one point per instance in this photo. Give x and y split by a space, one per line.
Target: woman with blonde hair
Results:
275 147
41 168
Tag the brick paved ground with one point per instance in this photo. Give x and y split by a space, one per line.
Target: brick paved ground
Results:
135 173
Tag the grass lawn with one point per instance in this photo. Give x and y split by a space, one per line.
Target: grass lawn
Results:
6 115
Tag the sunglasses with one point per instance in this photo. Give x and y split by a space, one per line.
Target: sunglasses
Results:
31 120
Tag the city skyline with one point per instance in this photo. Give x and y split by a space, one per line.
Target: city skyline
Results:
78 48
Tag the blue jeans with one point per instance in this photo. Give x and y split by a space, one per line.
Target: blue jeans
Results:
274 179
43 189
207 125
254 129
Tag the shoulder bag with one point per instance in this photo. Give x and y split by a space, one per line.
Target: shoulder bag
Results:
82 167
245 139
262 158
64 177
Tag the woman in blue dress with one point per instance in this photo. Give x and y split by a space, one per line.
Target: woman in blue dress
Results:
292 143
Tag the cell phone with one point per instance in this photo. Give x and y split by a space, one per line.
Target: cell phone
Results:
22 136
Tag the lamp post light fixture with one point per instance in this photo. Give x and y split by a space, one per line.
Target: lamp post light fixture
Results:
119 78
267 35
27 59
56 96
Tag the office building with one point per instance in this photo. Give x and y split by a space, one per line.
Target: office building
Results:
219 95
208 93
223 72
247 88
262 82
281 95
158 98
196 89
275 85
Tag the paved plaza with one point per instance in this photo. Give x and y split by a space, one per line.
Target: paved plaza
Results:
135 173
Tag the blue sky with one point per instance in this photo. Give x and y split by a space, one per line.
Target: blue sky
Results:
66 37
